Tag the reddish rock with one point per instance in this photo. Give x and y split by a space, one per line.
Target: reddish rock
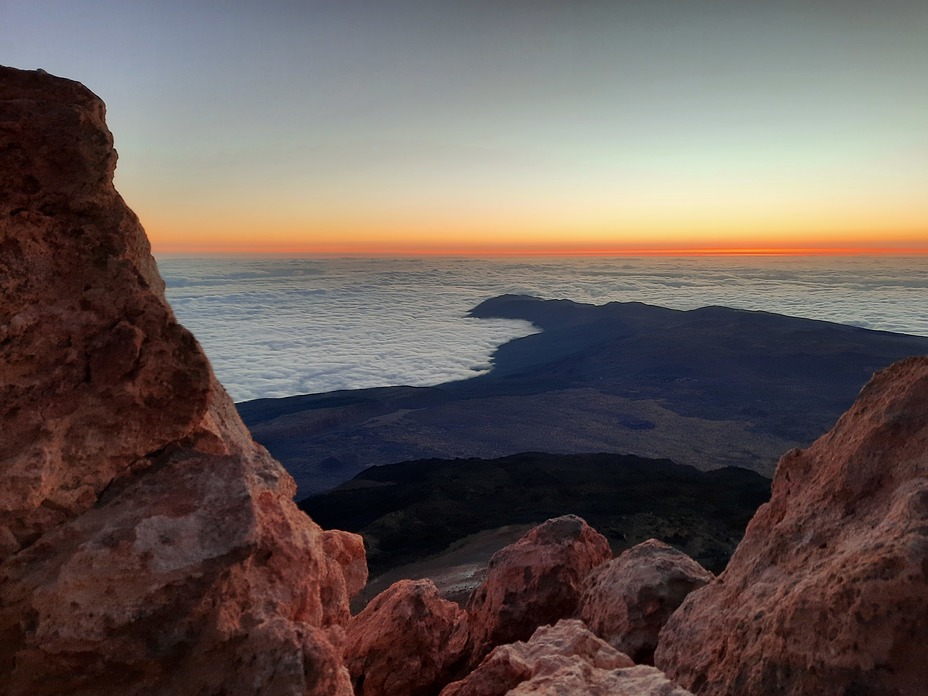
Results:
626 601
536 581
579 679
407 642
566 644
347 550
93 362
828 591
148 544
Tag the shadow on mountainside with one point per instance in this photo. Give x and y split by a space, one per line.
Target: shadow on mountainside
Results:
413 511
709 387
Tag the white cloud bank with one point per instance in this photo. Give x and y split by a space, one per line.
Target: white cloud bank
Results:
278 327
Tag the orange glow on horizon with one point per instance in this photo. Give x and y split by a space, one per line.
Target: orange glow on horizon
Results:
293 238
280 235
547 229
194 249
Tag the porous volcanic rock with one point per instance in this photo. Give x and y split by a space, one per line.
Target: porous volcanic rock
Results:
348 550
534 582
828 591
148 544
407 642
580 679
626 601
566 644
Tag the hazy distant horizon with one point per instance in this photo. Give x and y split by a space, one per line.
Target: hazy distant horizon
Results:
275 326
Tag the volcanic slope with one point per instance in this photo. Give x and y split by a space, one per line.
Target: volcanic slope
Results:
709 387
443 519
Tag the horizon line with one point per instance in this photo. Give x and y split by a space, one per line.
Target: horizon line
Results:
678 252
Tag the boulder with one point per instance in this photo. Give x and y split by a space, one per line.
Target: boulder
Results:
549 649
147 544
580 679
407 641
828 591
348 550
562 659
534 582
626 601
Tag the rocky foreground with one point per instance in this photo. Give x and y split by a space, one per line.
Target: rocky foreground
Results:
149 546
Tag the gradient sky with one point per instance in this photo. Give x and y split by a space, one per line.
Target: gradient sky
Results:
504 125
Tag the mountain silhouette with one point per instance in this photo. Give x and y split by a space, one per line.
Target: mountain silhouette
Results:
708 387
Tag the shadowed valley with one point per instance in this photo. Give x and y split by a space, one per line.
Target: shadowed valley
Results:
443 519
710 387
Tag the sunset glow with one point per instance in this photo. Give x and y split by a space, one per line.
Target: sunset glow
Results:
506 128
342 249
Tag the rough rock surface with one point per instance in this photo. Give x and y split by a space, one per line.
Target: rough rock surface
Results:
626 601
579 679
148 545
567 643
828 591
348 550
407 642
534 582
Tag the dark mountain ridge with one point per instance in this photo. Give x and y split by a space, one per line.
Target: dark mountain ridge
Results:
412 509
708 387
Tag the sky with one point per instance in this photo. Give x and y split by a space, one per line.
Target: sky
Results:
511 126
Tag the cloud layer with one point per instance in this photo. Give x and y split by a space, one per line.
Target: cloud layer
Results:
278 327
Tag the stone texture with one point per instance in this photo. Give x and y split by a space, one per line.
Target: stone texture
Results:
348 550
148 544
580 679
407 642
626 601
534 582
828 591
93 362
550 648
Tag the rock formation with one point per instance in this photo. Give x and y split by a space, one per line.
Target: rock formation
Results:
549 649
536 581
562 659
148 545
347 550
626 601
407 642
828 591
579 679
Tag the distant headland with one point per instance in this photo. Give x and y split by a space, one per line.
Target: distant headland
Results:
709 387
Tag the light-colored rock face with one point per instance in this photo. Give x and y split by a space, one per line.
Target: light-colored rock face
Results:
534 582
626 601
562 659
828 591
148 545
348 550
407 642
551 648
579 679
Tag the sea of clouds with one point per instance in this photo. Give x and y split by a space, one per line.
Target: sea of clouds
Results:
277 327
